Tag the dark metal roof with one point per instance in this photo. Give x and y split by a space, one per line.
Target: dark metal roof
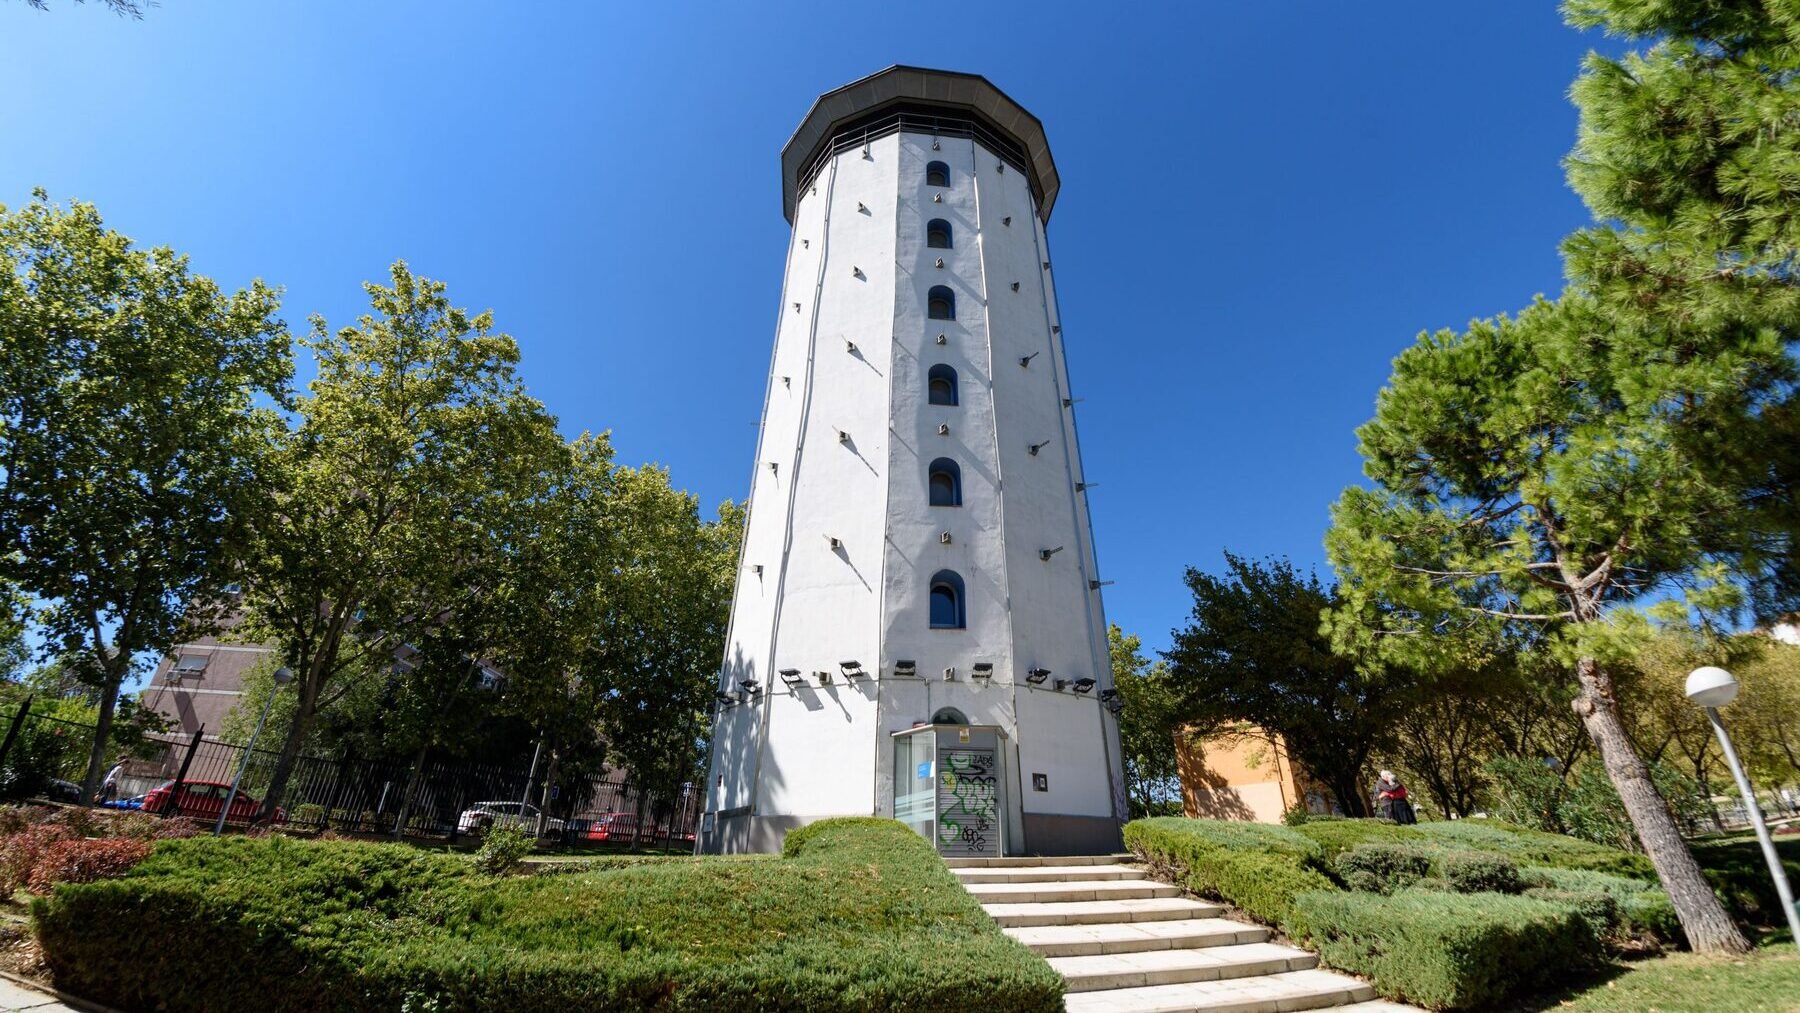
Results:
955 94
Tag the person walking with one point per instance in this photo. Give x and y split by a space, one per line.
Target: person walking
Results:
1390 799
109 788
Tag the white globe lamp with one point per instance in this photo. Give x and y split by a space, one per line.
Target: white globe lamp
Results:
1711 687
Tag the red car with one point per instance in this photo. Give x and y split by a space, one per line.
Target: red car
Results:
622 827
204 799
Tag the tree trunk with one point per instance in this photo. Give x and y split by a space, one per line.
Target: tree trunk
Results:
1703 919
1349 795
109 699
412 787
290 748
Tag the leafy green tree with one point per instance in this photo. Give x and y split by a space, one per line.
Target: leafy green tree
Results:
132 438
663 632
1147 727
395 492
1609 457
1254 651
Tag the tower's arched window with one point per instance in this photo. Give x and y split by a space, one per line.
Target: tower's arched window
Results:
946 483
940 303
937 234
947 601
949 716
940 385
937 174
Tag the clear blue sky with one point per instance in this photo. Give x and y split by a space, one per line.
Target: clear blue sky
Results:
1262 203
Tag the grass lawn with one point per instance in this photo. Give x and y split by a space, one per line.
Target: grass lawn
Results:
1767 981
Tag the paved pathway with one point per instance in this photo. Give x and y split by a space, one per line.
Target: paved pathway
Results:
14 996
1127 944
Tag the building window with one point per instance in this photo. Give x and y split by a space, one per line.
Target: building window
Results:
949 716
940 385
191 664
946 483
937 234
940 303
937 174
947 602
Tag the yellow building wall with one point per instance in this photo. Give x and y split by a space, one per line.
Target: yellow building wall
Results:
1241 773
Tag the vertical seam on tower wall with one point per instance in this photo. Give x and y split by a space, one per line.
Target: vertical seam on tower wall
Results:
987 324
787 545
1091 603
887 498
762 432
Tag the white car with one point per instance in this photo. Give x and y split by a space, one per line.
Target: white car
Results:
483 815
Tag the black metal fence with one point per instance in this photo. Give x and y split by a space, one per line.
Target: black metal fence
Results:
439 799
354 795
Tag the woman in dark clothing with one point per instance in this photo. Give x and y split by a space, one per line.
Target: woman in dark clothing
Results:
1390 799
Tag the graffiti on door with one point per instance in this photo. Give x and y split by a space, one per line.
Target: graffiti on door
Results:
968 803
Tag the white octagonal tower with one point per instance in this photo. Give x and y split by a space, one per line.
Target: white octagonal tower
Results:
917 629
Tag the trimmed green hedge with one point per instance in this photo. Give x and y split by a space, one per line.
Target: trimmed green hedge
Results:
1255 867
1335 837
862 916
1444 950
1643 911
1534 847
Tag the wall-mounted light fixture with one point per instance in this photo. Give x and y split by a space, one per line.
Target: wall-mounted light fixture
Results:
1108 693
940 262
1026 360
1055 328
934 144
849 346
1007 220
1085 486
852 669
792 676
1070 402
750 685
1046 265
833 542
1061 684
999 166
775 467
1083 684
982 670
857 272
823 677
1115 705
943 429
843 437
944 538
1037 676
860 206
1095 585
725 699
796 307
787 381
1045 554
906 669
943 339
1015 286
950 675
937 198
756 568
1035 447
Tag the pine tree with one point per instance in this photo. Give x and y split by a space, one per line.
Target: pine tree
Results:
1623 453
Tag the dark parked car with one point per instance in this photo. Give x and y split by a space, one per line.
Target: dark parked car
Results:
58 790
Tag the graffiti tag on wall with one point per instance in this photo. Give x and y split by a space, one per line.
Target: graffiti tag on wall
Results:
968 803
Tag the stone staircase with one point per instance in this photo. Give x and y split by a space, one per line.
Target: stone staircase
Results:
1125 943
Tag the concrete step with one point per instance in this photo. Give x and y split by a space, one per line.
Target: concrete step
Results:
1045 893
1273 993
1098 912
1048 873
1135 937
1027 861
1170 967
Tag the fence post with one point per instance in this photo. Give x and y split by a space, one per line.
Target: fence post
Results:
181 775
13 732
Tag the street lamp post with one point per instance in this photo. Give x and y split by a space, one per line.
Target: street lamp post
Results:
1711 688
283 676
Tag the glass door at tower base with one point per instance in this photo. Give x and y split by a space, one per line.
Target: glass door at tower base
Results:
915 781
